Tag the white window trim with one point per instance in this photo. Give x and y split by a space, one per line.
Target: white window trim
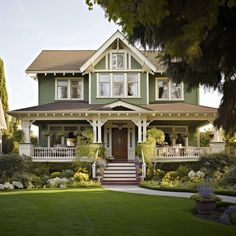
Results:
111 87
120 51
69 79
169 90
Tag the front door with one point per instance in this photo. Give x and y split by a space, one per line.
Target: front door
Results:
119 143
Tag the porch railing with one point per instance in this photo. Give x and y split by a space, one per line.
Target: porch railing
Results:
54 154
179 153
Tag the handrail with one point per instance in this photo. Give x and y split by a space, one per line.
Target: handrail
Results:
143 166
94 166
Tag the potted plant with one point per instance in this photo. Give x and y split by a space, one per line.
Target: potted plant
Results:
205 199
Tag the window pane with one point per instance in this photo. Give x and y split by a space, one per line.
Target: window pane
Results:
118 61
104 89
76 92
62 89
118 89
133 85
162 86
118 78
104 85
176 90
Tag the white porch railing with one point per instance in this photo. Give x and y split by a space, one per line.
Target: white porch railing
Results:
168 154
55 154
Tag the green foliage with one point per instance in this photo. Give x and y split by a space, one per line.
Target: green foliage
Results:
205 138
156 134
229 178
55 174
86 151
86 137
233 218
195 33
81 175
85 184
199 198
12 164
182 171
3 90
147 148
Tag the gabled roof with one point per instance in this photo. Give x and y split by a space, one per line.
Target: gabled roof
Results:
117 35
75 61
59 60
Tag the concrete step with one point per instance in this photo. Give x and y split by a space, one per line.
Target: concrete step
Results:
120 171
120 168
119 178
119 175
120 183
121 164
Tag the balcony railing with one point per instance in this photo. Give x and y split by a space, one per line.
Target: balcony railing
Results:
171 154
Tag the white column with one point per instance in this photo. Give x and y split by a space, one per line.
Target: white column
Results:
94 131
144 130
99 133
139 131
25 125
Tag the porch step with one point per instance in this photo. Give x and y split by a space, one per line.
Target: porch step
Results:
123 173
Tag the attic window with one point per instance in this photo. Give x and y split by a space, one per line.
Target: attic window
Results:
118 61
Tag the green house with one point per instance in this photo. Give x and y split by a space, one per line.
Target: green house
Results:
117 91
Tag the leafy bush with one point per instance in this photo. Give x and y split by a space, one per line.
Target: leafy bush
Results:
80 175
67 173
36 181
58 182
229 178
156 134
147 148
55 174
182 171
233 218
87 151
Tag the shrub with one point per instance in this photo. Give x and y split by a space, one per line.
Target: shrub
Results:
36 181
156 134
55 174
182 171
81 176
233 218
67 173
58 182
229 178
86 151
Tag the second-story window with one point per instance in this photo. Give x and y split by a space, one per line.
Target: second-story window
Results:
69 89
118 85
168 90
104 85
118 61
132 84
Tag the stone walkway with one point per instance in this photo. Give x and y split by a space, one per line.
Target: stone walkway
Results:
139 190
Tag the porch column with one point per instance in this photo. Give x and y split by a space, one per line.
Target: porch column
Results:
25 125
217 145
144 130
26 148
94 124
100 123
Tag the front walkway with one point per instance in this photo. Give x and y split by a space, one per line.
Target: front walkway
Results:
139 190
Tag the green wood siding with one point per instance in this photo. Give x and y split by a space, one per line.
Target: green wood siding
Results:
101 65
135 65
141 100
46 86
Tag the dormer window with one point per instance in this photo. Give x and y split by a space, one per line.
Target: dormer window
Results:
69 88
168 90
118 61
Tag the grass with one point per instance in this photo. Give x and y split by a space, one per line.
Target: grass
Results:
100 212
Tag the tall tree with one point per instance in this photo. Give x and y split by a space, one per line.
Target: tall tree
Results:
196 40
3 89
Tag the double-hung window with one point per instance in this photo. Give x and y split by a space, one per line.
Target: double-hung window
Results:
132 85
104 85
118 61
118 85
69 89
168 90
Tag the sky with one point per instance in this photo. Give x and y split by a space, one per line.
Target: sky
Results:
29 26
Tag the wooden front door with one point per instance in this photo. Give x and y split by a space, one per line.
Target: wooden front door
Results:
119 143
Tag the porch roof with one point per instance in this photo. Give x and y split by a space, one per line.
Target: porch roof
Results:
75 106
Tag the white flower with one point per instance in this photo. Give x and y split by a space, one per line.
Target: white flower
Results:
191 174
2 187
17 184
8 185
200 174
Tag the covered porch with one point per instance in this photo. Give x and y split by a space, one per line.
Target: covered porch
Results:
118 127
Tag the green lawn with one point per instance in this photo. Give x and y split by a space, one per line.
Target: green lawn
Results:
100 212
